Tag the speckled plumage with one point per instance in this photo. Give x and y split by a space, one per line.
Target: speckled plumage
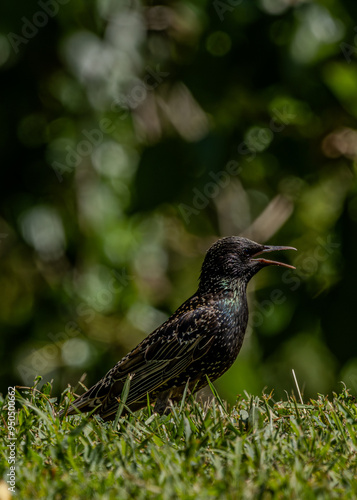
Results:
203 337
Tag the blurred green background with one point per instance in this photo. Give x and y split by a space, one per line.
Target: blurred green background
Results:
134 135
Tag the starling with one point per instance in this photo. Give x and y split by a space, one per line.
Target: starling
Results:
202 338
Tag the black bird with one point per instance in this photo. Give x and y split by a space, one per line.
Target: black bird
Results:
203 337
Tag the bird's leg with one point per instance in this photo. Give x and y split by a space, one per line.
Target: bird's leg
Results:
161 401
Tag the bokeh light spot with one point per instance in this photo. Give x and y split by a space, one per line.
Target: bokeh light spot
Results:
75 352
218 43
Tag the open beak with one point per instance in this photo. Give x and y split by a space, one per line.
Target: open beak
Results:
267 262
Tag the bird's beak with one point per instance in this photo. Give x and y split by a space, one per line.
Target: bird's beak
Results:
267 248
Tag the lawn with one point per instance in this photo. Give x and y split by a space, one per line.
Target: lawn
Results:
259 448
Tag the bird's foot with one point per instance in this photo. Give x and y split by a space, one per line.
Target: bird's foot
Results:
162 402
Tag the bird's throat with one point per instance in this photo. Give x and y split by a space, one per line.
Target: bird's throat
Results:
232 300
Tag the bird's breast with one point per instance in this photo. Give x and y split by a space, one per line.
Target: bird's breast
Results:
232 319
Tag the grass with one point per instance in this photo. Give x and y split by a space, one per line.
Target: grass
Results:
259 449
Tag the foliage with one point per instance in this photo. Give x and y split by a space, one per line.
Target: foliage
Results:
133 135
260 448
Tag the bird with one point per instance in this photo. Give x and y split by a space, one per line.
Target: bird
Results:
201 339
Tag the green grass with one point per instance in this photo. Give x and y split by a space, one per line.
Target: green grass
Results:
259 449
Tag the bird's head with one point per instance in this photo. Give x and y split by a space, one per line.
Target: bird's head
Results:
235 259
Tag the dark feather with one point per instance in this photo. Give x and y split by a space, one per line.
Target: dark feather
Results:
203 337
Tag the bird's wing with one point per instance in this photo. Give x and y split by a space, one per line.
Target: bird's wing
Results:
162 356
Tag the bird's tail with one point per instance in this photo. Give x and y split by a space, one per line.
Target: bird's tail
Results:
90 400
